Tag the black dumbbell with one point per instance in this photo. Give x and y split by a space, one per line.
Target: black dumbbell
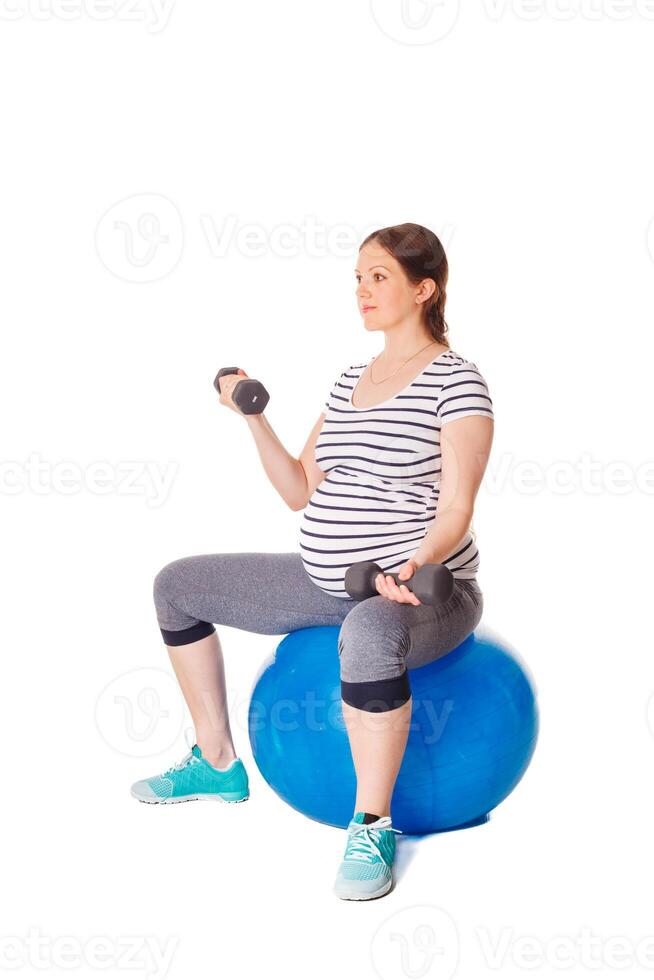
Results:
433 584
248 395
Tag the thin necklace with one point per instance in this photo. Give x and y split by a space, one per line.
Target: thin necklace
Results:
401 365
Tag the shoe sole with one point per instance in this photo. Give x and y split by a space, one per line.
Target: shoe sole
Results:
364 898
203 796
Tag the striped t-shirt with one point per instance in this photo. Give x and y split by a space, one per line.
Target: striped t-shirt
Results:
382 470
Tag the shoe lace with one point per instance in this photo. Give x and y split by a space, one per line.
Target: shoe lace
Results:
364 838
180 765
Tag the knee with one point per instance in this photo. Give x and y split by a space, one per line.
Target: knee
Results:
178 626
162 586
165 588
174 579
372 647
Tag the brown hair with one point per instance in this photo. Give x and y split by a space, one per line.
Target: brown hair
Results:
422 256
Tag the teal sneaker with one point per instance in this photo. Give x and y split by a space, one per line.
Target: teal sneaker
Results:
195 779
366 869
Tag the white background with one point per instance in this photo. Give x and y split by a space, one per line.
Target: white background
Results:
521 134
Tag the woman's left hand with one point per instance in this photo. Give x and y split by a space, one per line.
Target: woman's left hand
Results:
386 586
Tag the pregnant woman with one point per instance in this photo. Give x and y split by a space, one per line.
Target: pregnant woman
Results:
389 473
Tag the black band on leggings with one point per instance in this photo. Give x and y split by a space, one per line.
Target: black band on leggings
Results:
377 695
177 638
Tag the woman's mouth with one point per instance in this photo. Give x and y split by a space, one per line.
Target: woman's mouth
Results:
364 309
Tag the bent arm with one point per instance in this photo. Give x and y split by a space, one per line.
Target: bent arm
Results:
465 449
284 471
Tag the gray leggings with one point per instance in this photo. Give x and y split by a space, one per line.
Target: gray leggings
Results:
271 593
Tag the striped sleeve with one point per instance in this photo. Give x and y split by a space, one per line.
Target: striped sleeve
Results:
330 396
465 393
327 403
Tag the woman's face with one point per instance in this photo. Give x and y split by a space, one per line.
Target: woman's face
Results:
384 294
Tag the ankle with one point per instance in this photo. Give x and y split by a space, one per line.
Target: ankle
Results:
219 758
384 811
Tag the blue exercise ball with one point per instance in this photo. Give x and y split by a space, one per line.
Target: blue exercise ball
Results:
474 727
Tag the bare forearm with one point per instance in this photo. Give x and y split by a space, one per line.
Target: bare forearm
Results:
284 471
442 538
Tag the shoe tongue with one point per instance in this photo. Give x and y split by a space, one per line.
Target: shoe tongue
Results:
197 751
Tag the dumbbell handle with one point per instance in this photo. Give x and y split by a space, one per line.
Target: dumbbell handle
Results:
248 395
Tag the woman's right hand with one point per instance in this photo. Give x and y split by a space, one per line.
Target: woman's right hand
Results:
227 384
